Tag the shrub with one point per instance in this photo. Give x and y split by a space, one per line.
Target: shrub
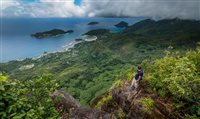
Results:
178 77
148 104
28 99
118 83
103 101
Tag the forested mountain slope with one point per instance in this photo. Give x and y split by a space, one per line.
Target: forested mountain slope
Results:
89 69
169 90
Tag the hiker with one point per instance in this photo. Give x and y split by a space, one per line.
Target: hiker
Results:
137 78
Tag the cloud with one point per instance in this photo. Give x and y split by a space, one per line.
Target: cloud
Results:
183 9
62 8
42 8
12 8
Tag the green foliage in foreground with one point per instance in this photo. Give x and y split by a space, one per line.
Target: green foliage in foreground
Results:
179 78
28 100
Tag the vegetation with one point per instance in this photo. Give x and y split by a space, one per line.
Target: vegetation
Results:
178 77
97 32
104 101
122 24
28 99
148 104
90 68
118 83
51 33
120 114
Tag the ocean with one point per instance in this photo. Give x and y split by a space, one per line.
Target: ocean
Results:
17 43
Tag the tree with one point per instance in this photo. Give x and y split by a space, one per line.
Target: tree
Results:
27 99
178 77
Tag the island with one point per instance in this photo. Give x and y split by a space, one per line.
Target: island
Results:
51 33
122 24
93 23
97 32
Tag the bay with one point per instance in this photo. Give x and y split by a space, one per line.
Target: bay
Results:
17 43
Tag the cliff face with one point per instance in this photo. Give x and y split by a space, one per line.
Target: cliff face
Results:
69 108
123 104
143 105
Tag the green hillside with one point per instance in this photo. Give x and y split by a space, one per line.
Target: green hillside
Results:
169 90
90 68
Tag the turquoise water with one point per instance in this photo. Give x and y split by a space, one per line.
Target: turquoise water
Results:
16 42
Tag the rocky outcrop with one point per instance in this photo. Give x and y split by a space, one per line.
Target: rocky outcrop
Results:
69 108
136 106
145 104
124 104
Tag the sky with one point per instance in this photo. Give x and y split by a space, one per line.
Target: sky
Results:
183 9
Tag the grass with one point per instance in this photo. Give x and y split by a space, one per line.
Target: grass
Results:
148 104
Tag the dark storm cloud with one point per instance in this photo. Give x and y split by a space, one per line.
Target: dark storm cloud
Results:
185 9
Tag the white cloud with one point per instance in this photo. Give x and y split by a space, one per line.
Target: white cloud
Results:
8 3
43 8
63 8
185 9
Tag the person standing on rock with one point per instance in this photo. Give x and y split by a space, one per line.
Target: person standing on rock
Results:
137 78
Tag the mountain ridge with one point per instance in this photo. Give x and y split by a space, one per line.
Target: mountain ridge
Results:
165 49
95 65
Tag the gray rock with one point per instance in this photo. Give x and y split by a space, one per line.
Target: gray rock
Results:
132 105
69 108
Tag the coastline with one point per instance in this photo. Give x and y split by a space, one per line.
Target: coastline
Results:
65 48
18 45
